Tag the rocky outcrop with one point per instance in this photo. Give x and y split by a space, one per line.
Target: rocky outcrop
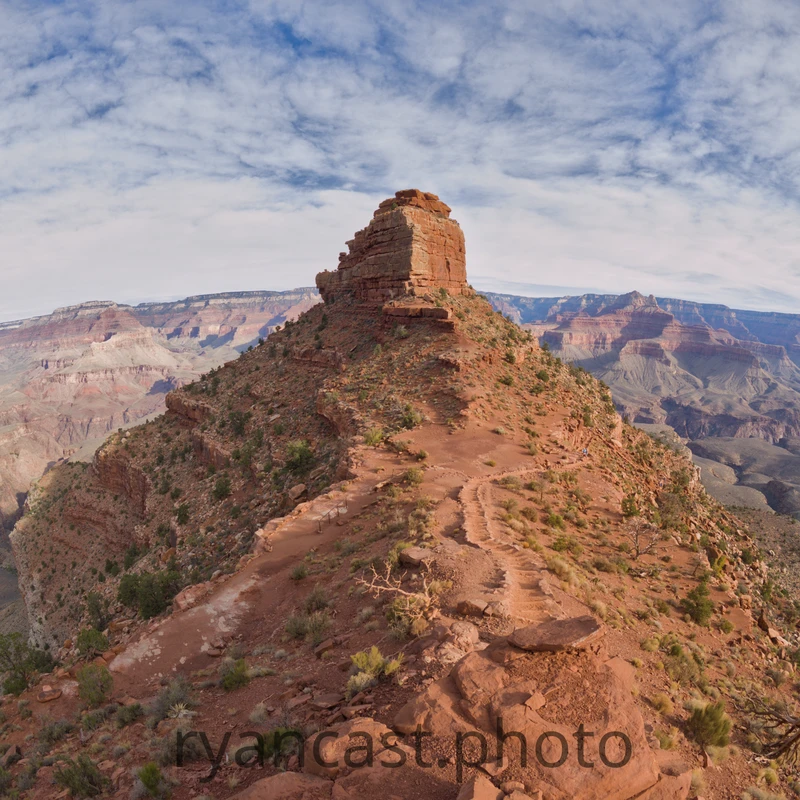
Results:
116 473
411 246
496 690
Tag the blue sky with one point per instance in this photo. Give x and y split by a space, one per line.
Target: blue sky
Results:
153 150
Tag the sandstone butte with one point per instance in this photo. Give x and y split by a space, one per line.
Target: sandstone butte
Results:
410 247
400 468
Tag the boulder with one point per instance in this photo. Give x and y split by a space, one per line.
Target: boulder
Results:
48 693
297 491
480 695
479 787
557 634
415 556
472 607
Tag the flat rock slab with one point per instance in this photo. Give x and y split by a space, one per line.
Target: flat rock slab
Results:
557 634
415 556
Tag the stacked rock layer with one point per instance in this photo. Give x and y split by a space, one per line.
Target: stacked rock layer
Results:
410 247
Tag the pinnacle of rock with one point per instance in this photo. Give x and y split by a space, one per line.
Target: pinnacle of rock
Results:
410 247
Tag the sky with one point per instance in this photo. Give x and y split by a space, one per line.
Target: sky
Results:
153 150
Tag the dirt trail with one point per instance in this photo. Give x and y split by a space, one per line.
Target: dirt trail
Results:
183 640
522 575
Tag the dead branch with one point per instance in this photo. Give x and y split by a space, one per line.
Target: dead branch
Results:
778 731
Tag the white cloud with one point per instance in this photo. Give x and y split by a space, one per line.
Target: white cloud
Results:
155 149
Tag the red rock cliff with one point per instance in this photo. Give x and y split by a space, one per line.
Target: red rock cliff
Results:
411 246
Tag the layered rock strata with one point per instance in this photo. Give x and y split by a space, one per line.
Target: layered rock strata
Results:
410 247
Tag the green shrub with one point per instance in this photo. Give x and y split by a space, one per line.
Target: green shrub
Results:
52 732
97 608
410 417
152 780
368 667
318 624
91 642
132 555
297 625
413 476
317 600
128 714
92 720
698 604
149 593
299 457
177 693
222 488
233 674
299 571
373 437
710 725
127 591
81 777
20 662
182 513
630 507
94 684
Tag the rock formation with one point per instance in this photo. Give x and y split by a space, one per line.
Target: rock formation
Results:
411 246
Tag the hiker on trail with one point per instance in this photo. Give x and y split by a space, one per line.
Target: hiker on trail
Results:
586 451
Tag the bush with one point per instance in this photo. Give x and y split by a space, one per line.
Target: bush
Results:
410 417
299 457
91 641
5 781
368 667
413 476
698 604
127 591
297 625
152 780
182 513
81 777
662 703
128 714
299 571
132 555
53 732
710 725
177 693
317 600
94 684
149 593
20 662
373 437
629 506
233 674
317 625
222 488
97 607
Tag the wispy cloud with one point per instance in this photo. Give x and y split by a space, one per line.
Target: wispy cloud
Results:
156 148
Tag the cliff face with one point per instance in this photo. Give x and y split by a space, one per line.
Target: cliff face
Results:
67 380
674 368
410 247
772 328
